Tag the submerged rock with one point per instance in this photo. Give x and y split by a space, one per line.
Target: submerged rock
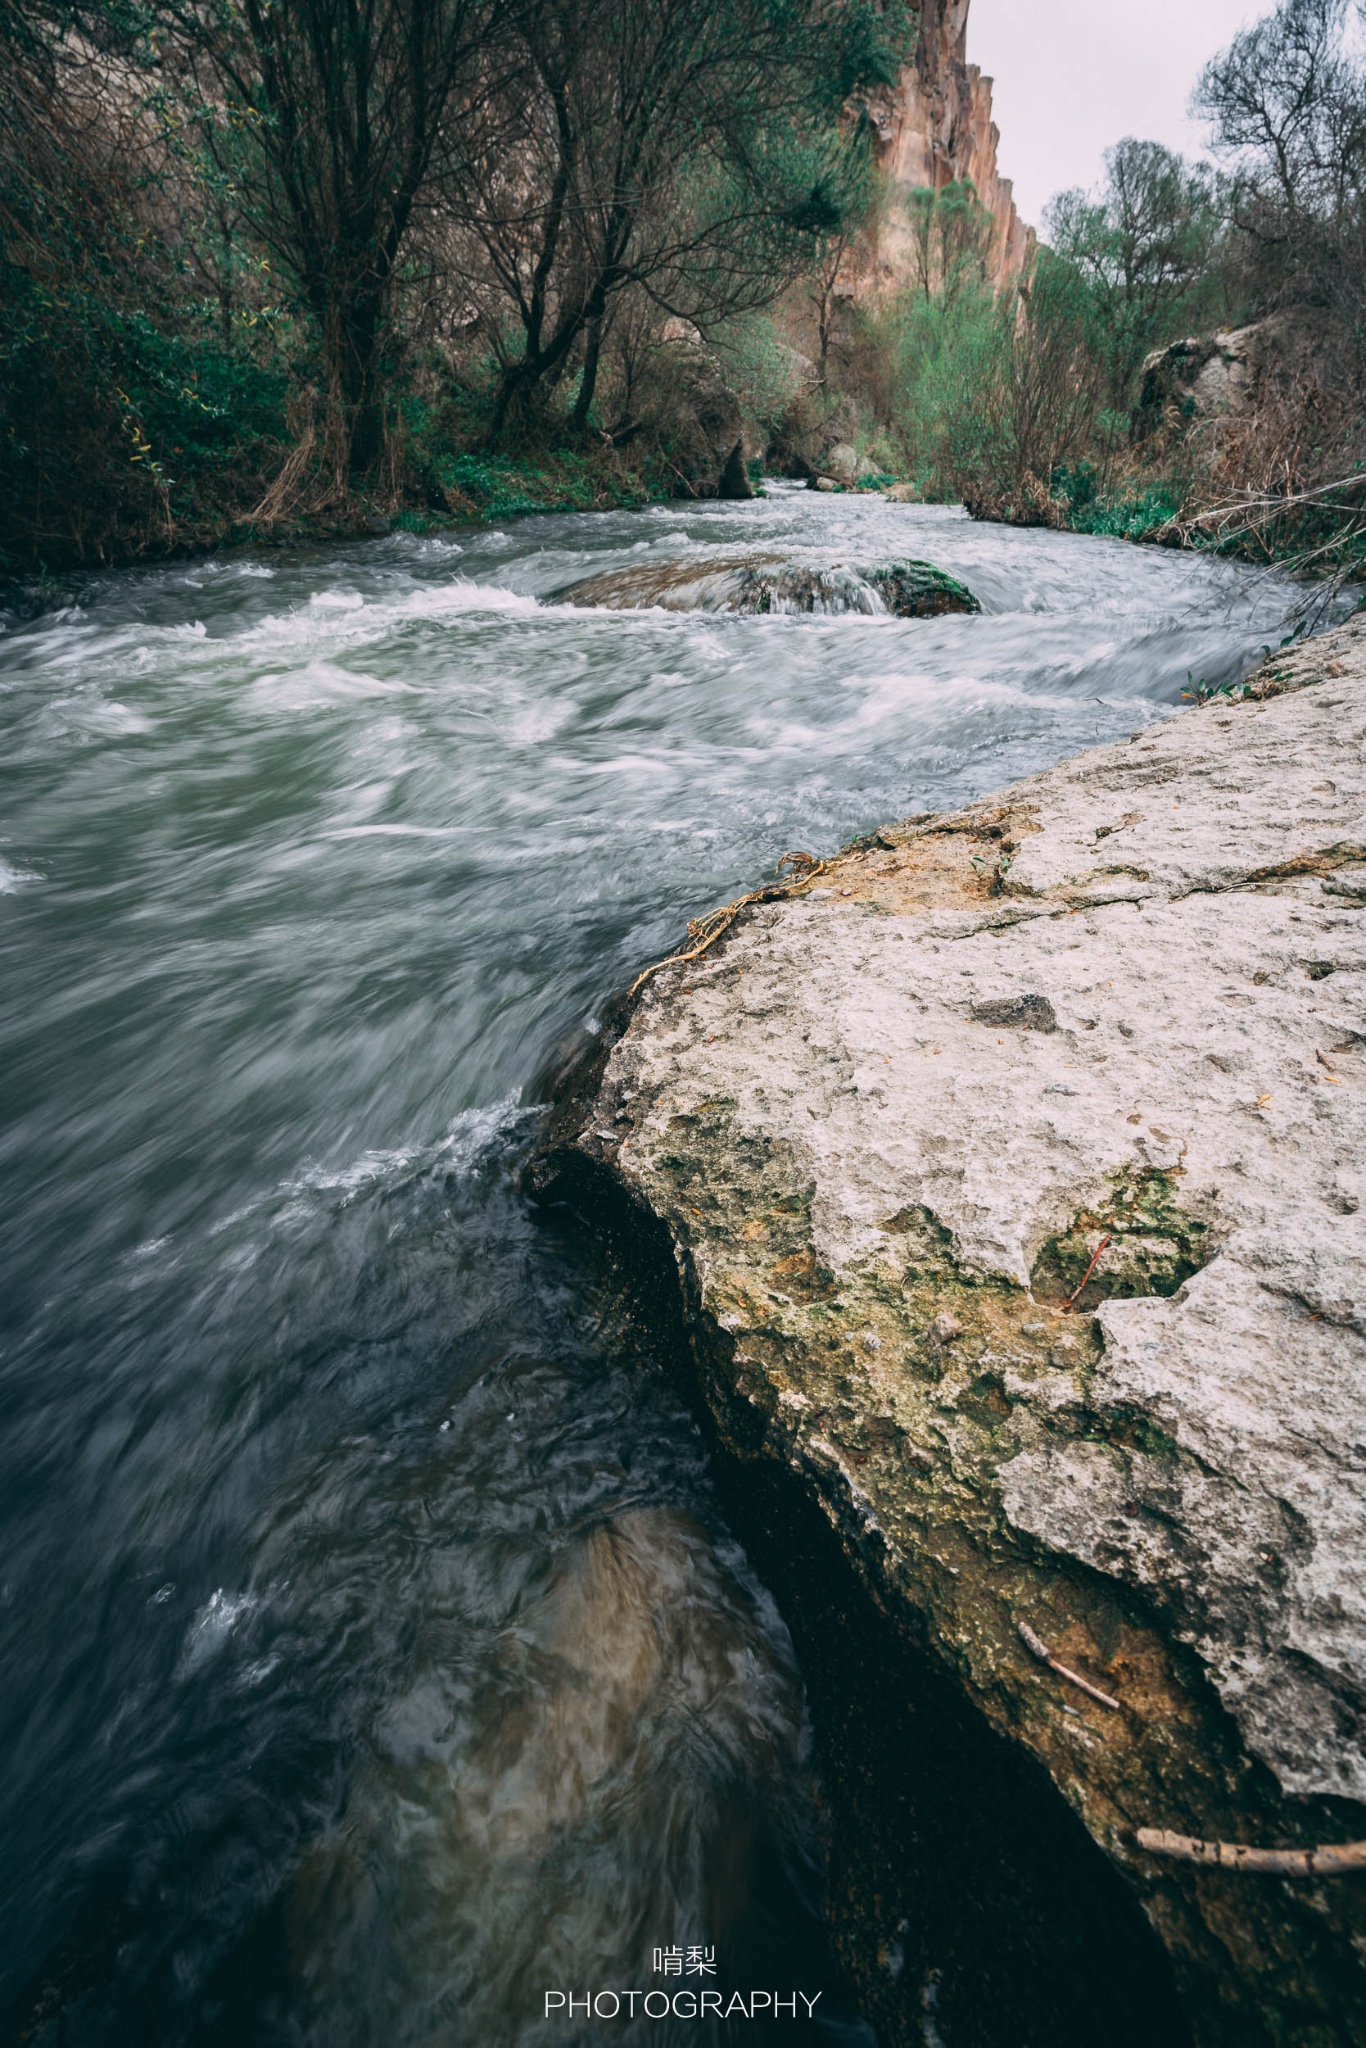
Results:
776 583
1012 1172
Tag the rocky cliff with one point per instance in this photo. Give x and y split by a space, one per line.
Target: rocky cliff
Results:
935 127
1011 1172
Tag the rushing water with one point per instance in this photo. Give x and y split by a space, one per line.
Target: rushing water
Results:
374 1655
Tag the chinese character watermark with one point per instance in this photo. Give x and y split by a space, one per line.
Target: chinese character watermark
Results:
685 1962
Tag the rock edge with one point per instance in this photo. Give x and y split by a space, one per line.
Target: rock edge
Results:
1098 1035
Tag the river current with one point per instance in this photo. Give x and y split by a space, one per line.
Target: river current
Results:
375 1654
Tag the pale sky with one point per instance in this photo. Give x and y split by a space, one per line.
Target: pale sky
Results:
1073 76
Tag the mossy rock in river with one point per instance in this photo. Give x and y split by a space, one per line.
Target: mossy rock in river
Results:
753 584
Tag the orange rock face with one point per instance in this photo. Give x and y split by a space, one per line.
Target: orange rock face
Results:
935 127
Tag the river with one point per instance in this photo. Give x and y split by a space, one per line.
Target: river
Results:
376 1657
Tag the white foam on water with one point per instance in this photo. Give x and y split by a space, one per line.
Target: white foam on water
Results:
256 1673
149 1248
94 714
540 722
468 1136
211 1628
326 623
319 683
630 764
871 700
346 615
399 832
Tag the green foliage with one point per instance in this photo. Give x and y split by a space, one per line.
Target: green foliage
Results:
1128 514
760 369
492 487
1286 103
1144 247
264 264
942 350
688 150
994 392
132 411
114 423
952 233
865 45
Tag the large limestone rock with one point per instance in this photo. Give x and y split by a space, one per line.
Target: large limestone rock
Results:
1015 1173
1208 377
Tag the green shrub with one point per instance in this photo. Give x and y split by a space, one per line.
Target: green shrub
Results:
501 487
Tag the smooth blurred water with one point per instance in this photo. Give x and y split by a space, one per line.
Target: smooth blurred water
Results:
374 1656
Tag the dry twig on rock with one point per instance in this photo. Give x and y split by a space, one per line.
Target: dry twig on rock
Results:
705 931
1075 1295
1329 1859
1040 1649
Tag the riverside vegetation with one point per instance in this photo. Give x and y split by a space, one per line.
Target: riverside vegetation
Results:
264 264
1184 358
271 271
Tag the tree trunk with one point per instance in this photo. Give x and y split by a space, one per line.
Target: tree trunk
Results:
351 331
588 383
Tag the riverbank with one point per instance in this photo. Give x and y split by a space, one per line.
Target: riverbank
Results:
446 492
1009 1171
456 491
310 857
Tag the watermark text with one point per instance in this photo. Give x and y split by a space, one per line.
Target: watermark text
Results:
682 2005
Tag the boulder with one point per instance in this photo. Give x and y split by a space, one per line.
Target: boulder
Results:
1009 1170
733 481
817 434
775 583
684 403
1210 376
801 368
676 330
842 463
845 467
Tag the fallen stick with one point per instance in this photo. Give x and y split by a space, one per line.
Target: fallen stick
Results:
1095 1261
1329 1859
705 931
1039 1649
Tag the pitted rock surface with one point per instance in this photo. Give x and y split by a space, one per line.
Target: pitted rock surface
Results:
1015 1172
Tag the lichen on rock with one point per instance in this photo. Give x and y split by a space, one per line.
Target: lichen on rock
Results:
1011 1168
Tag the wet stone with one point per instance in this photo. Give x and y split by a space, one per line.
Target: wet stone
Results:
756 584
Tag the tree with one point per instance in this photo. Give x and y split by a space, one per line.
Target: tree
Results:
952 234
1144 246
78 255
325 115
1287 105
1015 393
688 150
